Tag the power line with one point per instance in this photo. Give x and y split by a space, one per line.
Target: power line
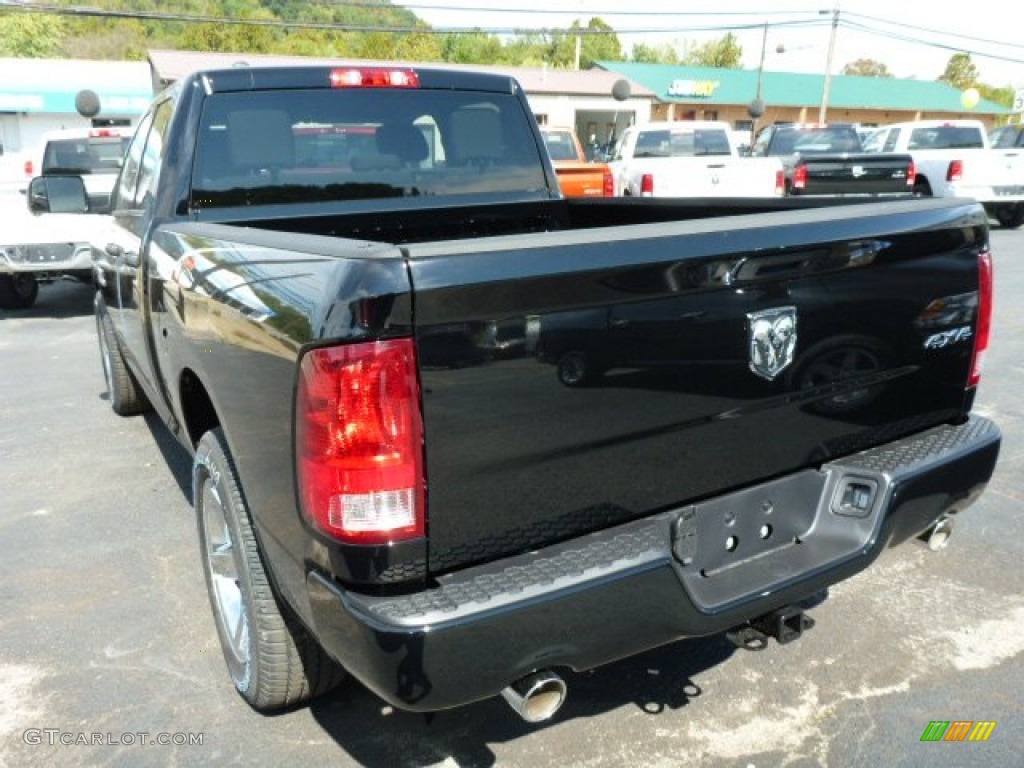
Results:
932 44
82 11
918 28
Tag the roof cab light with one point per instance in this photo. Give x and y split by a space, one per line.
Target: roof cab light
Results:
984 328
365 77
359 442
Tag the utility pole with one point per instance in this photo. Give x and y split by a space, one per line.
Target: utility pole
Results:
756 108
828 63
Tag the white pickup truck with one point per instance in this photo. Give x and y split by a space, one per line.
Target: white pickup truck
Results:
954 158
690 158
42 247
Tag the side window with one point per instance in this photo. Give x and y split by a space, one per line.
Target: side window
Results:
891 139
149 169
126 182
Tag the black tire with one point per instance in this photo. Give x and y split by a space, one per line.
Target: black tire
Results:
273 661
575 369
18 291
1010 215
922 188
126 397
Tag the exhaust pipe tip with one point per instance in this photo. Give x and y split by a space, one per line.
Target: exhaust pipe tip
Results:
938 535
536 697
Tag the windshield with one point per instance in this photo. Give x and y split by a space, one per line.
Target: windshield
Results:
279 147
84 156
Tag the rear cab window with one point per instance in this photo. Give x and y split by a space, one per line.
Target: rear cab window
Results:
300 146
98 153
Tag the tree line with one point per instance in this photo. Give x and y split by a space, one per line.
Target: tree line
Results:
380 31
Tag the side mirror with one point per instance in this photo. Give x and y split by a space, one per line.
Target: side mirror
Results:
57 194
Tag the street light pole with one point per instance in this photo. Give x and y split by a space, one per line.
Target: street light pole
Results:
828 63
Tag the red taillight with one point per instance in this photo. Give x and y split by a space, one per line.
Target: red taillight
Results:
780 182
955 172
984 327
104 133
608 184
359 437
911 174
800 177
647 185
362 77
29 168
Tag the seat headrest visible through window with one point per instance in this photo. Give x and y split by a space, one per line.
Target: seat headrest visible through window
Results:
405 141
260 138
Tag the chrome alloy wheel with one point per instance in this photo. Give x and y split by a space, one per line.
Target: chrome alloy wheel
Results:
229 602
108 372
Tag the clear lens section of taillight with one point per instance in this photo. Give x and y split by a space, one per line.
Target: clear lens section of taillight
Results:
359 437
800 177
983 330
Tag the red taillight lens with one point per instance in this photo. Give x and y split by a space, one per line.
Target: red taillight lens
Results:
647 185
955 172
983 330
911 174
800 177
29 168
608 184
359 437
780 182
362 77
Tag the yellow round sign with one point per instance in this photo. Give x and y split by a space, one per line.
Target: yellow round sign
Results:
970 98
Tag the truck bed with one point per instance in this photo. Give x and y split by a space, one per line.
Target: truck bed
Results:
520 456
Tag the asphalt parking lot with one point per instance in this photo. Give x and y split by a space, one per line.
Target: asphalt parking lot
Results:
109 654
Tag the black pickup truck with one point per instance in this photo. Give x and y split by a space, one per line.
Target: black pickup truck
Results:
356 296
828 159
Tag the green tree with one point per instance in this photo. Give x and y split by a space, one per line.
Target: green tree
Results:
30 35
960 72
475 47
418 46
599 44
649 54
725 53
867 68
1003 96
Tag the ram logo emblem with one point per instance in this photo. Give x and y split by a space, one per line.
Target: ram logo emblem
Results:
771 335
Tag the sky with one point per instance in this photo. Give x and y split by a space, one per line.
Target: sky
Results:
913 38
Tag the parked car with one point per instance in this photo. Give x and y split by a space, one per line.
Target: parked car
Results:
577 176
690 158
1007 136
954 159
95 154
828 159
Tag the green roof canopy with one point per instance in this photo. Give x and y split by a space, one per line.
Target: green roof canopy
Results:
712 85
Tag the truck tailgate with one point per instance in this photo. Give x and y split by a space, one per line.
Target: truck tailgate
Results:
582 379
867 174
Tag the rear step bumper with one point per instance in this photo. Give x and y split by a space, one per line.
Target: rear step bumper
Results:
697 570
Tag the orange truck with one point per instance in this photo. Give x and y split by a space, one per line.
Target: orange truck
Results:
576 176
